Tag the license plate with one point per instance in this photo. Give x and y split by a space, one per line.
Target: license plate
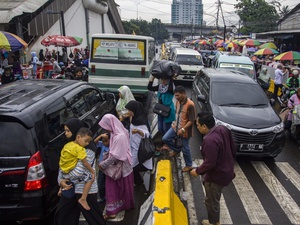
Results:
252 147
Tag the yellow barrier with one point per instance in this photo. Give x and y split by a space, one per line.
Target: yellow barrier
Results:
167 207
271 88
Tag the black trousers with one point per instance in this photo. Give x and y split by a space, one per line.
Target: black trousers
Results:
94 215
68 211
276 87
136 172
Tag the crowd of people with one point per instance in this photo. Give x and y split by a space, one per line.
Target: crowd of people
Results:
50 63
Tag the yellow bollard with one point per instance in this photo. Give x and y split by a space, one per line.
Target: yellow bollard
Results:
167 207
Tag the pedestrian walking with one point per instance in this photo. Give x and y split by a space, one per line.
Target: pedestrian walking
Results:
182 127
217 170
278 79
119 193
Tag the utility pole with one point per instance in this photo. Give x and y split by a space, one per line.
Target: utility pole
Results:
220 9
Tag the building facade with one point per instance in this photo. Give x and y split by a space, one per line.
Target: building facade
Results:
187 12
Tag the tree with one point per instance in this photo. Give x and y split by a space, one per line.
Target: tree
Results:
256 16
283 10
154 29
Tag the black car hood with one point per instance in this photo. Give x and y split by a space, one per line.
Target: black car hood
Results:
255 118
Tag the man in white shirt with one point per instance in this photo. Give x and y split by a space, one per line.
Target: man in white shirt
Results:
278 79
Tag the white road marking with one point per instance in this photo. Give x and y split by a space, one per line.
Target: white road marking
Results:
286 202
251 203
290 173
192 214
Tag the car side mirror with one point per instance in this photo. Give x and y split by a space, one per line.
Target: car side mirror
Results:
201 98
109 96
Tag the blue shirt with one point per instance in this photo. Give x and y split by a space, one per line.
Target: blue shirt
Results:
104 149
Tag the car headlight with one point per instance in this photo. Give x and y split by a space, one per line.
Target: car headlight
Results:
219 122
278 128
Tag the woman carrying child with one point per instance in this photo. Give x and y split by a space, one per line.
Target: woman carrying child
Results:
68 209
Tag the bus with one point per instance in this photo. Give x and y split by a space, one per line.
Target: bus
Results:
121 59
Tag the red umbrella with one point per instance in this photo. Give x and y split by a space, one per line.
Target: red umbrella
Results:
61 41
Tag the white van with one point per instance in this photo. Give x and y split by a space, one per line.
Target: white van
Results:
190 62
235 62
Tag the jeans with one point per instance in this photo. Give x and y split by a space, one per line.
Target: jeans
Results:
168 139
163 127
212 201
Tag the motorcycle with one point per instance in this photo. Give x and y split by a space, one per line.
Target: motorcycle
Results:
287 92
294 130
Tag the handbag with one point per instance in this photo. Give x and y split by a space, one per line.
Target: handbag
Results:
146 149
178 141
161 109
114 170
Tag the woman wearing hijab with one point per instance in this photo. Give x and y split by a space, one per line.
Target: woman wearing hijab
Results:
68 209
119 193
165 94
125 96
138 130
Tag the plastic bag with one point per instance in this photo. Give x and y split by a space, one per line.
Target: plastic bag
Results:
146 149
164 69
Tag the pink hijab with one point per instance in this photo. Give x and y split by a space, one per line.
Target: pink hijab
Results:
119 146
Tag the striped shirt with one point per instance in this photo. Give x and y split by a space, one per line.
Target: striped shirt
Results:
80 169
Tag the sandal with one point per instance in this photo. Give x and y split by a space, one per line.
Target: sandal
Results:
110 217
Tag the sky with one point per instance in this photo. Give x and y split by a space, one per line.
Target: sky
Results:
161 9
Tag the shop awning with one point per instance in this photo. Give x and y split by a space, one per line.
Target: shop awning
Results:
10 9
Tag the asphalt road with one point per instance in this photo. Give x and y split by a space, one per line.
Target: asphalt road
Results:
265 191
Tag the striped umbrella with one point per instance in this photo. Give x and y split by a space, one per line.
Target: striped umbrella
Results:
230 45
266 51
251 43
291 55
204 42
11 42
268 45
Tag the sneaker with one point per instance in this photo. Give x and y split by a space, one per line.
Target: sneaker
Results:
206 222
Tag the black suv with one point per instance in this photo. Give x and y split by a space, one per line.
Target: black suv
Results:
31 132
239 103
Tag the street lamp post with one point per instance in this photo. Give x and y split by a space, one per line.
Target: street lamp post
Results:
63 29
137 11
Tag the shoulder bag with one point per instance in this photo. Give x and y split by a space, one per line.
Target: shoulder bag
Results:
146 149
161 109
177 138
114 170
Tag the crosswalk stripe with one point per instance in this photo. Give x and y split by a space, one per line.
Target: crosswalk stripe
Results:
224 213
250 201
290 173
282 197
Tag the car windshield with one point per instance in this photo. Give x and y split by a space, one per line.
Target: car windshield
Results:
189 60
238 94
247 69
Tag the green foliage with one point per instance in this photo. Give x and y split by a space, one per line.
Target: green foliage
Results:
256 16
154 29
